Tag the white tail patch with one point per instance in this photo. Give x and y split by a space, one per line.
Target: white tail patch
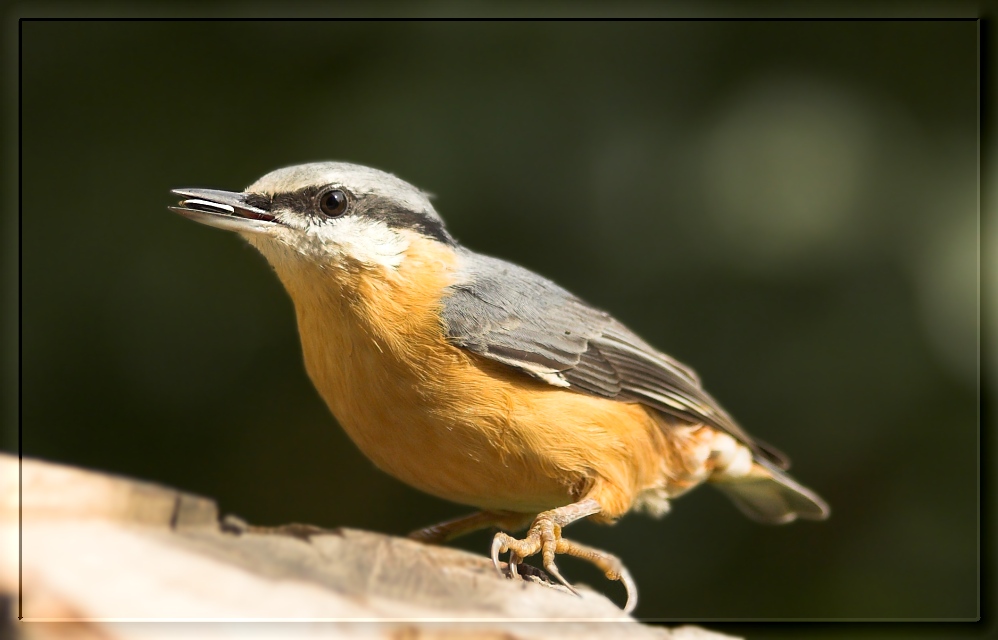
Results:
684 466
654 502
730 458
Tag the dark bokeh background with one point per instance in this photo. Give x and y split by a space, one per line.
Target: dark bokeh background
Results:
791 208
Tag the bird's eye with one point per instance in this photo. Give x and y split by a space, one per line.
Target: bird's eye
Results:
333 203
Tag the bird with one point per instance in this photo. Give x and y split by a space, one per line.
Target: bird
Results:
483 383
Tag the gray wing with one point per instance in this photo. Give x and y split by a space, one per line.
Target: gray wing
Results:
512 315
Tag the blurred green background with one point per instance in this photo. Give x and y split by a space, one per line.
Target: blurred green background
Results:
790 208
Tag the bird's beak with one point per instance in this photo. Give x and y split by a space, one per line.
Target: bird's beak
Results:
223 209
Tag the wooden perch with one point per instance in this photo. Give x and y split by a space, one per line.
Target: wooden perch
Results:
100 552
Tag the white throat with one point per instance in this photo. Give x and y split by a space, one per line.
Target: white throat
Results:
349 239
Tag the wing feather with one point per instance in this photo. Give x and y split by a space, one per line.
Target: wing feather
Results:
512 315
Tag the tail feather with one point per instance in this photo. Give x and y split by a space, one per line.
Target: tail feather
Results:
768 495
772 454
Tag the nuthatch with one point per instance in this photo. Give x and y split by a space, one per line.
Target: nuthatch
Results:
483 383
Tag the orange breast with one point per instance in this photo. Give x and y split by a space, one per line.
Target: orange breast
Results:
453 424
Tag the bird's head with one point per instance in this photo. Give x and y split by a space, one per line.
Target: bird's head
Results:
326 213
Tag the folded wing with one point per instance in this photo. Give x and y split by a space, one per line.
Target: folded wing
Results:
512 315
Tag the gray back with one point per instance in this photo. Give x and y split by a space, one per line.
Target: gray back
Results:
514 316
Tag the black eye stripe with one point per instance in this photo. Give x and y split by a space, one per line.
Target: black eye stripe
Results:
260 201
375 207
301 201
389 212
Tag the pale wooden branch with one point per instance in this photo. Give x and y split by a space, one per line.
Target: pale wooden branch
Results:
99 550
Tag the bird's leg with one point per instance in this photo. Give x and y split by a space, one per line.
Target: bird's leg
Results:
458 527
544 536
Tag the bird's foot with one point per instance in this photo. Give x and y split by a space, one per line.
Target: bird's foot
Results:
545 537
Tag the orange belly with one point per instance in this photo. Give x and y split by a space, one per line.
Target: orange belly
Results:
462 427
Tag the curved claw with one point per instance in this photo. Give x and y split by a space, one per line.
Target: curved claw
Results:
631 588
497 548
514 568
552 568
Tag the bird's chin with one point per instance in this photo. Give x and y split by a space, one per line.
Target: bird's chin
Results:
280 245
